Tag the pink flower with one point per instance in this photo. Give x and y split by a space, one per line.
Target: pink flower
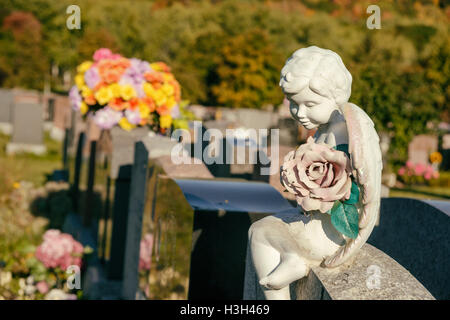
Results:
409 164
145 253
419 169
42 287
401 171
59 250
318 175
102 53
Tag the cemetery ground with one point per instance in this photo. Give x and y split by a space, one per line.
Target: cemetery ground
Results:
30 204
24 195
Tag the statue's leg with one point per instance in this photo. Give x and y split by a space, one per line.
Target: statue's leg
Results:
266 259
275 257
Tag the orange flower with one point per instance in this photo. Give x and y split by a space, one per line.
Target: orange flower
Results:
163 110
153 77
117 104
111 70
150 103
90 100
143 122
133 103
99 85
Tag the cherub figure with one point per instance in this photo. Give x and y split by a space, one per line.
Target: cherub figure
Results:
284 247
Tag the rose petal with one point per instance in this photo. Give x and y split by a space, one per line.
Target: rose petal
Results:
301 174
316 171
335 192
329 176
325 206
309 204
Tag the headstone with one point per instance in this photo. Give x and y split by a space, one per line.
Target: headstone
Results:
6 104
191 170
415 234
28 129
134 222
77 171
349 282
421 147
445 149
88 211
60 116
222 216
123 147
288 131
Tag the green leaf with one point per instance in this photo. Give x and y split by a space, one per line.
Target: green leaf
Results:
354 194
344 218
335 205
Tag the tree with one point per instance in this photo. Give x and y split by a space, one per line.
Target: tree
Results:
23 60
247 72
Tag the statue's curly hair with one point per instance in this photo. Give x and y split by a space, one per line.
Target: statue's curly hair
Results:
320 69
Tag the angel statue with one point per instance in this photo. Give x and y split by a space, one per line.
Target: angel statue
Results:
335 177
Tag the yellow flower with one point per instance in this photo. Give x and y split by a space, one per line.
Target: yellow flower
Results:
127 92
79 80
168 77
82 68
165 121
83 108
144 110
159 97
103 95
16 185
171 102
85 91
167 89
436 157
115 90
148 89
125 124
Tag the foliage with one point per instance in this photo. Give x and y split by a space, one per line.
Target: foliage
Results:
230 52
246 70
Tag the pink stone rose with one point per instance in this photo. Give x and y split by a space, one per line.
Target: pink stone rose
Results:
317 175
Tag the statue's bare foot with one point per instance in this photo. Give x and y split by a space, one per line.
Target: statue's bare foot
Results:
290 269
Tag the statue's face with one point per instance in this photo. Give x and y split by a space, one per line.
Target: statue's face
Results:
310 108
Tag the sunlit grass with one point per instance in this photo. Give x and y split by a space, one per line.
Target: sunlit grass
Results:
422 192
28 167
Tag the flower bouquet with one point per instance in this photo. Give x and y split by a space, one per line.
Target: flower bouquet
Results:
320 178
115 90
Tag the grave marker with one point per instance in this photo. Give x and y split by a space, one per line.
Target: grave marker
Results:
27 129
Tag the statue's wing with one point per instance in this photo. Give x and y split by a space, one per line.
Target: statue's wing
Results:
365 156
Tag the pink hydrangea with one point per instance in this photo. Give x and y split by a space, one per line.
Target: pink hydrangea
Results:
419 169
59 250
401 171
145 254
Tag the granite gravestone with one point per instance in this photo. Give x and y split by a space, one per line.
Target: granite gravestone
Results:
27 129
6 104
415 234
